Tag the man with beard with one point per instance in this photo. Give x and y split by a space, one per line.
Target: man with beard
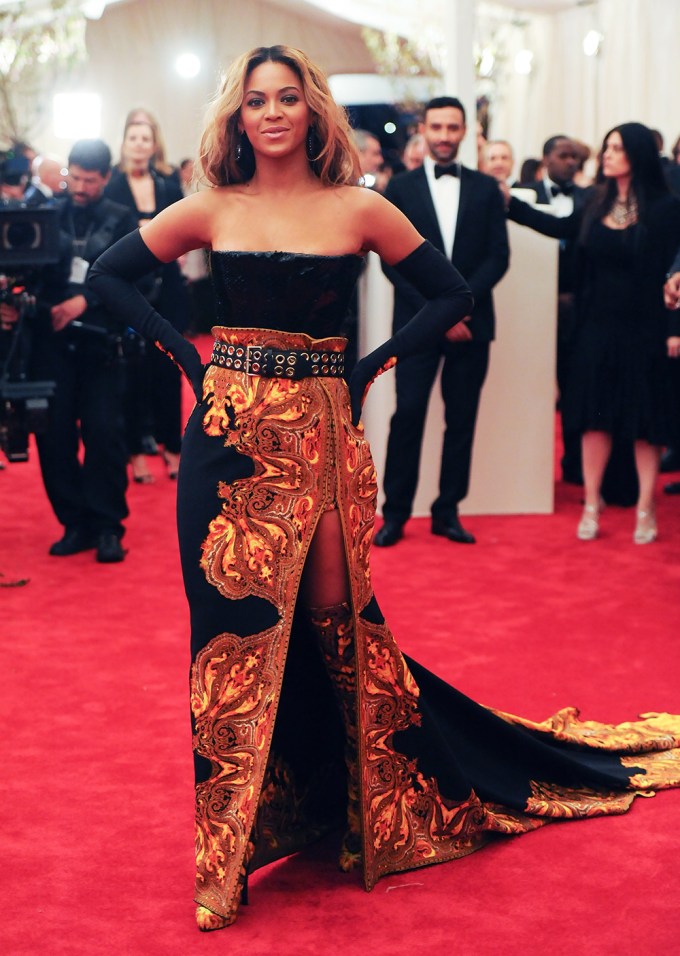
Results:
76 349
461 212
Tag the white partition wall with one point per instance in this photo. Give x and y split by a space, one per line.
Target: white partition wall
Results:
513 460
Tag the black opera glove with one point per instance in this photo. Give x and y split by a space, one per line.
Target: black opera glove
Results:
112 279
449 301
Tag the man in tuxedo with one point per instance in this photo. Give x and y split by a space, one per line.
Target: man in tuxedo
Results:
560 163
461 212
557 190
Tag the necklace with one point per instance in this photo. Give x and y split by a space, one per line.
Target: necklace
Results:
624 212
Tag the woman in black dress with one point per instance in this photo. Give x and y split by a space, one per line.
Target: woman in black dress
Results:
627 234
153 392
306 715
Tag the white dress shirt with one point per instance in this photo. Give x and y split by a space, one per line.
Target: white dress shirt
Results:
563 206
445 193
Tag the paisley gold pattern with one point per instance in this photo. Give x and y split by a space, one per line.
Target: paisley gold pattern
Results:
570 803
235 683
661 770
253 545
407 823
652 732
293 432
306 456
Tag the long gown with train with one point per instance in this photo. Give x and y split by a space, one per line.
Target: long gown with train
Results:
301 726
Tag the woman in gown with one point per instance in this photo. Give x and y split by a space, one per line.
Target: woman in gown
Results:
153 391
306 715
627 233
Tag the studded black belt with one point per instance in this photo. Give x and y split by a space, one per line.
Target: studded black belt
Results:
274 363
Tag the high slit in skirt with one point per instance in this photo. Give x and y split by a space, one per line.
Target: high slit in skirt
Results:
439 775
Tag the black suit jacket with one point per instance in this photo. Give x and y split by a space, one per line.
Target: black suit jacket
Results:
480 249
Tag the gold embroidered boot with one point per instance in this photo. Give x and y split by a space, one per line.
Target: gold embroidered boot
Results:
335 630
207 921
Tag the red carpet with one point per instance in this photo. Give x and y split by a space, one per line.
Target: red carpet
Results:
97 780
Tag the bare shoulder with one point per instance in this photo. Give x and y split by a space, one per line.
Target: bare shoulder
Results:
184 225
359 198
367 205
215 198
381 227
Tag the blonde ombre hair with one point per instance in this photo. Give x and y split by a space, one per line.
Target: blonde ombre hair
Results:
335 160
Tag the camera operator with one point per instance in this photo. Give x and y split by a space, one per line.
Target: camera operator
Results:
34 267
76 348
14 176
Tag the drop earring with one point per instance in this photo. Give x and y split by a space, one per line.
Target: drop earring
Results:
239 148
311 144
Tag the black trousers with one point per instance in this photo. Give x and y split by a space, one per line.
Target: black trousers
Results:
87 406
152 401
463 373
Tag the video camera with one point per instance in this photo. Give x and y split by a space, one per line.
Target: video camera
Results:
29 240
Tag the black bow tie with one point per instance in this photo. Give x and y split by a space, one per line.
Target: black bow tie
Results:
451 170
566 190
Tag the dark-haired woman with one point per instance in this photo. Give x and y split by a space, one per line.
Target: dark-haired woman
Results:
627 234
306 714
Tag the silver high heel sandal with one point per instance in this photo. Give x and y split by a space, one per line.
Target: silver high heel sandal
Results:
645 528
589 525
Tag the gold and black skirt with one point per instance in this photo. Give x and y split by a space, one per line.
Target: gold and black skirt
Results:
269 449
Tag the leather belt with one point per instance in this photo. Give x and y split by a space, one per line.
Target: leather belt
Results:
274 363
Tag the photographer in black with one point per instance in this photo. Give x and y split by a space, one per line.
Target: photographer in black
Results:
35 260
76 345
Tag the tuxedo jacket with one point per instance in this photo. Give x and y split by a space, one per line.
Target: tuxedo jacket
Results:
542 197
480 249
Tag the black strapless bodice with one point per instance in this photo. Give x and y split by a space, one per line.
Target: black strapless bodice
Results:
285 291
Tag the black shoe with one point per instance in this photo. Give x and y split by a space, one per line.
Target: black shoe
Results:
389 534
672 488
74 541
453 530
670 460
109 548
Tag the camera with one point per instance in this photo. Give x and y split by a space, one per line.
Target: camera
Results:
29 235
29 240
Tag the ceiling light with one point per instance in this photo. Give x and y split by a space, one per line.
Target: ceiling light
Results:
524 60
187 65
592 42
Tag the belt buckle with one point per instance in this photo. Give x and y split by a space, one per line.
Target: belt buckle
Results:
255 360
